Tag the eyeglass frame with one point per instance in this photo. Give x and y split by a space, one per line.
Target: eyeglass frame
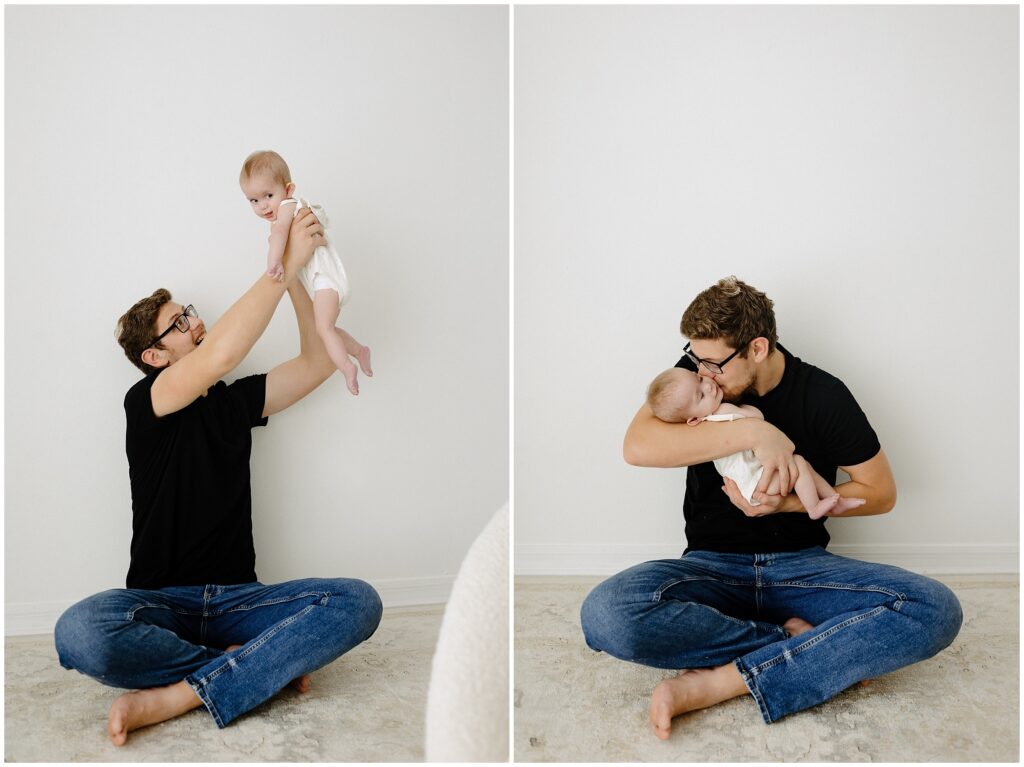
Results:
188 311
715 368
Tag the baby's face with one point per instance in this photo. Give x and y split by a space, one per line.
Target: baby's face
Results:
265 193
696 395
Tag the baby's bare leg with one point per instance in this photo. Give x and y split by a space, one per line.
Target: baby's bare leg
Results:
325 311
357 350
823 490
816 497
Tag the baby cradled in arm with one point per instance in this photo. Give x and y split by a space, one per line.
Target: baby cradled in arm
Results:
681 396
266 182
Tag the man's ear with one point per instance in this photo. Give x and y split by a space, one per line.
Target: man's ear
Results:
154 358
760 348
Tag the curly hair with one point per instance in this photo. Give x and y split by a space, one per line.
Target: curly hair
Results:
266 161
733 311
136 328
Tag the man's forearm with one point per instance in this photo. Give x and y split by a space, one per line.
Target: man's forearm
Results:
651 442
238 329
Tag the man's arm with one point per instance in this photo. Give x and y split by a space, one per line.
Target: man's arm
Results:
292 380
872 480
652 442
235 333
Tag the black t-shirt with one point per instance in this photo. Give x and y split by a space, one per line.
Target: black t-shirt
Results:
189 472
819 414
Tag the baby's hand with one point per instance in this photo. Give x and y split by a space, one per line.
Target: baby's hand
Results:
276 272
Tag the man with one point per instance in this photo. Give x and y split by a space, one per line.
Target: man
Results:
194 626
756 604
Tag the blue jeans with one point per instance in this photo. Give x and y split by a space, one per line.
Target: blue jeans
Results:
708 609
137 638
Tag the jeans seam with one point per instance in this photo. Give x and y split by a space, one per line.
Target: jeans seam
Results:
755 691
200 691
272 602
656 597
233 660
839 586
787 653
131 613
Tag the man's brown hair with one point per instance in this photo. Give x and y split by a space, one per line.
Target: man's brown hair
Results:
733 311
137 327
266 161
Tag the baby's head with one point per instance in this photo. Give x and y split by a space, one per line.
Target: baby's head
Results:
679 395
265 181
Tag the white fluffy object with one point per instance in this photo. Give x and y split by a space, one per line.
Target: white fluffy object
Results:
467 704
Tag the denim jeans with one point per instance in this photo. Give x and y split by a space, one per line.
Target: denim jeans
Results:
137 638
708 609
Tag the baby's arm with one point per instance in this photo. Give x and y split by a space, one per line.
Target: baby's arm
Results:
279 239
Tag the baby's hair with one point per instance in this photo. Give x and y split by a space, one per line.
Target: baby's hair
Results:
266 161
661 397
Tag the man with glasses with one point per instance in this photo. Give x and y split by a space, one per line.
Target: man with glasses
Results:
756 604
194 626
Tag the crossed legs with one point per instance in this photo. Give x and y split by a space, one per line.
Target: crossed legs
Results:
794 629
167 644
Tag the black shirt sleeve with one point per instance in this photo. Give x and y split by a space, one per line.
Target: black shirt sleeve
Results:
251 394
845 433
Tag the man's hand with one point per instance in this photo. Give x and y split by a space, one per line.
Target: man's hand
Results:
774 450
767 503
304 236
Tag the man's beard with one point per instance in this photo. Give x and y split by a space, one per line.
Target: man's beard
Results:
749 389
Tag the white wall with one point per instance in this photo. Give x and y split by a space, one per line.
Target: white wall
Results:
126 128
858 164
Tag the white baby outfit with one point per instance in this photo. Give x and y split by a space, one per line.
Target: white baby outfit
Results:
742 468
324 270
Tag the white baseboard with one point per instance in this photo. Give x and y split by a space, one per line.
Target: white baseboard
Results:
927 559
28 618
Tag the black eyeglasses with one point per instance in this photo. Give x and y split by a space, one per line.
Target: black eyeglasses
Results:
715 368
180 323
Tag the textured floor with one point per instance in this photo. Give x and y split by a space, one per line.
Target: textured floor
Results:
572 704
368 706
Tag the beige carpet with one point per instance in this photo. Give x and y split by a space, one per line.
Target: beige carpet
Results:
572 704
368 706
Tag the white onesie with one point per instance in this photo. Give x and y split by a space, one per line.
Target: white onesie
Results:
324 269
742 468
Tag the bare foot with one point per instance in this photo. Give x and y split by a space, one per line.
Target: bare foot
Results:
300 685
138 709
845 504
691 690
350 372
825 505
364 361
796 626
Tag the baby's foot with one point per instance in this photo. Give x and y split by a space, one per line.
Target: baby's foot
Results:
825 505
350 372
364 361
845 504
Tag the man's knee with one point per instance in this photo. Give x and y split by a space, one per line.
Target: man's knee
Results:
360 604
606 625
80 638
940 612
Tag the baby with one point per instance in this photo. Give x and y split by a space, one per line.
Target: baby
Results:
679 395
267 183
